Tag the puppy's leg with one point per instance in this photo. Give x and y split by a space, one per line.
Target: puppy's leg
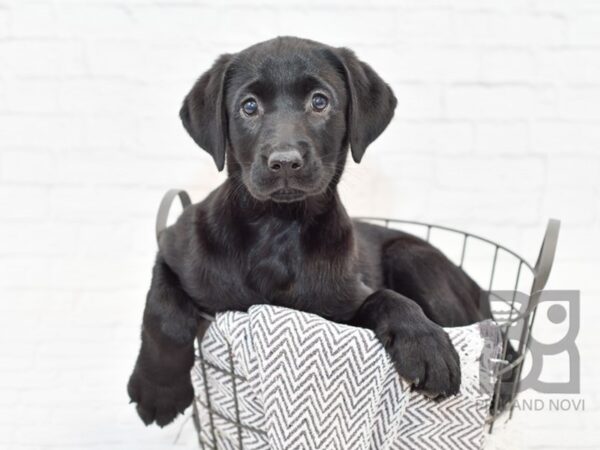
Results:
160 383
421 350
447 295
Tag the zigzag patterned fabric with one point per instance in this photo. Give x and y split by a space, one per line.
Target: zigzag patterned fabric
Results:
302 382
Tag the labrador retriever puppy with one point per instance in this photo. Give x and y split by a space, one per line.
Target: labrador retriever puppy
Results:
283 115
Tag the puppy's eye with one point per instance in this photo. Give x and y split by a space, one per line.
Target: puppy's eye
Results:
250 106
319 102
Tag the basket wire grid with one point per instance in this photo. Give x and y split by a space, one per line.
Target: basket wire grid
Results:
505 314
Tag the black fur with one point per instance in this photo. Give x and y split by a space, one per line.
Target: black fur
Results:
282 236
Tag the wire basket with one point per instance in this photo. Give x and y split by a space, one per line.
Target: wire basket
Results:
494 267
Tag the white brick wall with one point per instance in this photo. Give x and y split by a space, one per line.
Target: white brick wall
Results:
497 129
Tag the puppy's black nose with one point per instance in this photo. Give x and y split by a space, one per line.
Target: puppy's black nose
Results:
285 161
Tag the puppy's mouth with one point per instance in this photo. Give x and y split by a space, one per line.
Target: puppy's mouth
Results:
288 195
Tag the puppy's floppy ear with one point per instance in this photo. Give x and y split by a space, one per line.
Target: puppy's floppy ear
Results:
371 102
204 114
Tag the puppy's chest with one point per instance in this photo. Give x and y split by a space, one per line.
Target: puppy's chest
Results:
274 258
277 266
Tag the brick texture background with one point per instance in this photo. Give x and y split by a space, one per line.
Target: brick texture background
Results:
497 129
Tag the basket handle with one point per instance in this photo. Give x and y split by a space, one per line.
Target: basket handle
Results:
543 265
165 207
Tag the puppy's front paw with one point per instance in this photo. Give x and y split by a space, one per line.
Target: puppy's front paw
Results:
426 359
159 403
420 349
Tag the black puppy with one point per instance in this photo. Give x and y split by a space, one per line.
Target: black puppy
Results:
283 114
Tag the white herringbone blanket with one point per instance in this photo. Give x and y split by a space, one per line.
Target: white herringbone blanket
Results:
302 382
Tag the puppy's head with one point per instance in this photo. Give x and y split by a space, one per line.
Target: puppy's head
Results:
284 112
